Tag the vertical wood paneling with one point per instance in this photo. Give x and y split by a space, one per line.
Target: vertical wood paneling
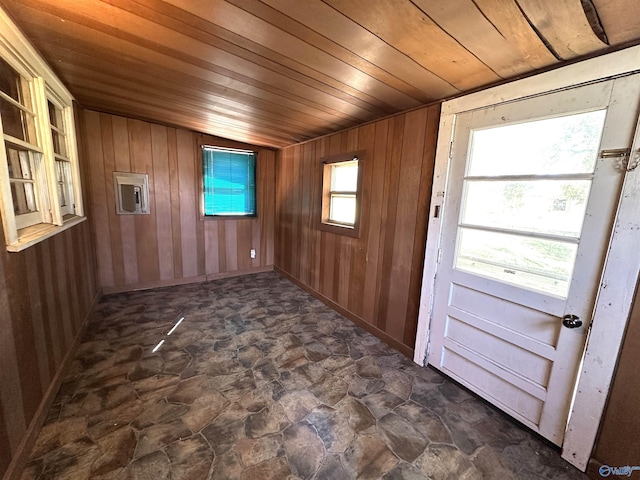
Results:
359 257
127 222
176 232
405 219
244 241
376 277
377 167
420 238
43 305
45 293
390 203
109 166
37 318
11 391
23 336
231 242
146 228
162 196
53 300
211 247
53 331
5 446
61 289
222 245
174 243
188 214
99 206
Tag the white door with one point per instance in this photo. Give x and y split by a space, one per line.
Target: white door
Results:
527 219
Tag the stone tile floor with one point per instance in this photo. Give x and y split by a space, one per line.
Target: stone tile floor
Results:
262 381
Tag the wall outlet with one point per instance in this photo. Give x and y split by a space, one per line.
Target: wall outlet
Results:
253 253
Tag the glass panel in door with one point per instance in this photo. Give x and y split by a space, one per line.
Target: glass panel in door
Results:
524 199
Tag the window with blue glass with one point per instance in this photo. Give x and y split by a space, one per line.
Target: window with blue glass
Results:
229 181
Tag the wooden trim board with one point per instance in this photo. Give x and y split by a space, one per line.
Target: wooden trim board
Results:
183 281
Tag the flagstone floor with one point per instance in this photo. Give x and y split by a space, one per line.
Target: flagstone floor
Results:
252 378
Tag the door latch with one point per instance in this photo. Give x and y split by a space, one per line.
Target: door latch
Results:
624 154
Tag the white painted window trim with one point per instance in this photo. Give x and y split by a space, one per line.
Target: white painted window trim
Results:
622 265
16 50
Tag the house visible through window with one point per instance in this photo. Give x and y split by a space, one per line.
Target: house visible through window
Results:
229 181
341 188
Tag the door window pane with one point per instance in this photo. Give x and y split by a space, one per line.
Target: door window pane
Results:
539 264
567 144
522 212
554 207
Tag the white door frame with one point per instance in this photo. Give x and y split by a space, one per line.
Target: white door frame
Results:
622 265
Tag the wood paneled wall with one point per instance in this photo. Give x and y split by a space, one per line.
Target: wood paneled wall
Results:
375 279
46 292
173 244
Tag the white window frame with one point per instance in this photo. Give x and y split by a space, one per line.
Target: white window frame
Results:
25 230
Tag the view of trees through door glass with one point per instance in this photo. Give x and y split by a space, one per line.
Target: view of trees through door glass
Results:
525 197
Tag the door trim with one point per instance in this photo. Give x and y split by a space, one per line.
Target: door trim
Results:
613 304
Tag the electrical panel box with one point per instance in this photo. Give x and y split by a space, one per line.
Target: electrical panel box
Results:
132 193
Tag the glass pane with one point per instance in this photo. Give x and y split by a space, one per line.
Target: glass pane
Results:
342 209
16 122
344 176
55 115
57 133
566 144
229 182
538 264
59 145
544 206
24 199
18 162
10 81
62 180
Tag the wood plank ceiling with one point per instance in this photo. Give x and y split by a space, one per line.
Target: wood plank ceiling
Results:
277 72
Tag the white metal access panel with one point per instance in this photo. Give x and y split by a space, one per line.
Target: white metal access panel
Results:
531 195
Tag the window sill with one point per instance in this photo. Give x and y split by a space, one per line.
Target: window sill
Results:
228 217
37 233
339 229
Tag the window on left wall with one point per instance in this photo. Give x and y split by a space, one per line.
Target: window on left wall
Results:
40 193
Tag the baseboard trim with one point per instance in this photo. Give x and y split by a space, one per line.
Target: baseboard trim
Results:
184 281
372 329
19 460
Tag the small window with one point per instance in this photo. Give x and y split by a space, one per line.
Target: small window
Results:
341 194
229 182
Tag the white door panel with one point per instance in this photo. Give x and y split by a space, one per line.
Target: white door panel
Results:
527 220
